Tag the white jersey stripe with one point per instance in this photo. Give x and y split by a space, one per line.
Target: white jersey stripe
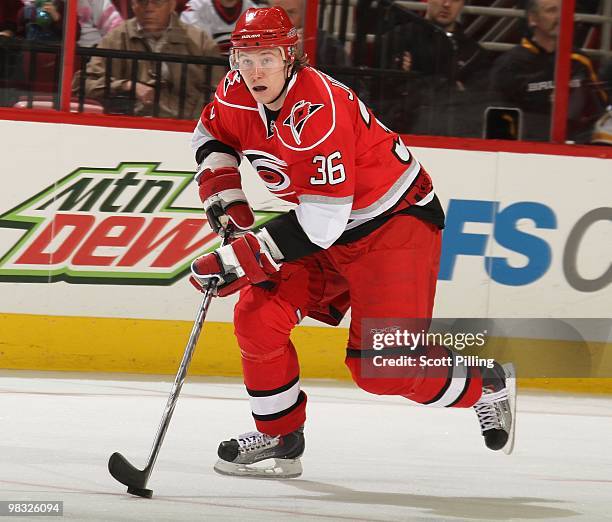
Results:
275 403
236 106
325 200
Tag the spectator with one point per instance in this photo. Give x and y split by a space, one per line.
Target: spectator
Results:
96 18
602 130
605 74
215 17
446 94
10 59
155 28
330 50
9 10
525 75
439 46
41 20
181 5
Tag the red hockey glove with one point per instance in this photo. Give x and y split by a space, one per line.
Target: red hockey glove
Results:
245 261
223 199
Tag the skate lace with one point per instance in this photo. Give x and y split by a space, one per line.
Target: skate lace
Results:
255 440
487 410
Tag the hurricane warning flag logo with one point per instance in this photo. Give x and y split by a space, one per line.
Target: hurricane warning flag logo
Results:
126 225
300 113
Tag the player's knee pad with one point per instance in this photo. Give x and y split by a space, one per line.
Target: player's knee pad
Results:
262 325
260 312
250 304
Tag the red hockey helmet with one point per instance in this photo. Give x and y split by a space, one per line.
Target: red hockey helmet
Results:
265 27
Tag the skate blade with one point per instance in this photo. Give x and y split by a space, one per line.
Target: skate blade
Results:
282 469
511 386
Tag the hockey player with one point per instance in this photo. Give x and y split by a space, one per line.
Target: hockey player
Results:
365 233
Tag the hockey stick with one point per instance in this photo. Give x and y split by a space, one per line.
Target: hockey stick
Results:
118 466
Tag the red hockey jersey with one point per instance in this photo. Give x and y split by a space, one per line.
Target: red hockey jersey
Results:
324 150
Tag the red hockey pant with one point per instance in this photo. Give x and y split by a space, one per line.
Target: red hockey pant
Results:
391 273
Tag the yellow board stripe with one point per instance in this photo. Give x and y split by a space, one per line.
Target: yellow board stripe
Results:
90 344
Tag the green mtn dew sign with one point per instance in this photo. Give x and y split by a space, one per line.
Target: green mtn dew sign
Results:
109 226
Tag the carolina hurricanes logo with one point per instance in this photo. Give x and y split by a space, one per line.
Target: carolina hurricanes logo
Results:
271 170
300 113
230 79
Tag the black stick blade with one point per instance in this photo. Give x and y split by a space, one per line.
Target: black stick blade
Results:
133 478
146 493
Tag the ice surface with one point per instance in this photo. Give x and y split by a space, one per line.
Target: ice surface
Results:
367 458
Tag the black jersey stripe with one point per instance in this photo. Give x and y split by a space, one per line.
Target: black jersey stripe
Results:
215 146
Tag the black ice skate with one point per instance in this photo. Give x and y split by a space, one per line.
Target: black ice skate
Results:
239 457
496 409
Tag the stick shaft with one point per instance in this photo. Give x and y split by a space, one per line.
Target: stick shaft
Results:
180 377
183 367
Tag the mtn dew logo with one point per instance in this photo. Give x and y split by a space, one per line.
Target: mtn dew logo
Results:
122 226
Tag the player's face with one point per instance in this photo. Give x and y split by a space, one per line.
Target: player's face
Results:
264 72
444 12
545 21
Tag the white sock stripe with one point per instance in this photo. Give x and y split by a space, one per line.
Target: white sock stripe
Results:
275 403
455 388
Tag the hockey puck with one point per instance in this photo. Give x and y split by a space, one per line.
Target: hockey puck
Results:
140 492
